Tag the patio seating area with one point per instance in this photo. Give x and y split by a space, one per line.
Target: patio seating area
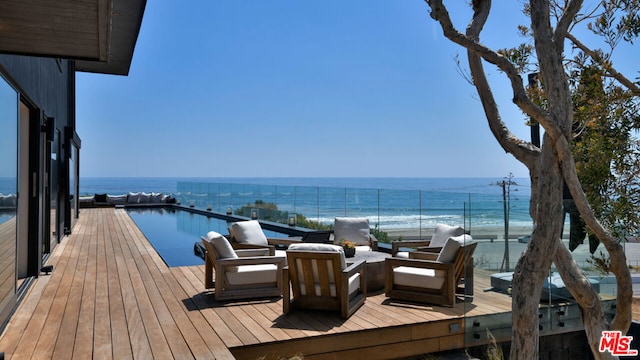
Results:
110 295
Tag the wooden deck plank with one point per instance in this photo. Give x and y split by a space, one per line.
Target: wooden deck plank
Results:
112 296
83 346
202 340
65 341
173 335
48 334
102 326
135 326
32 313
121 346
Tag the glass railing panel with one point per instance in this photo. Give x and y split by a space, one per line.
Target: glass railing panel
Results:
331 204
399 215
307 208
285 201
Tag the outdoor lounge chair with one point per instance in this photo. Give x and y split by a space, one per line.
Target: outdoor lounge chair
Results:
320 279
240 274
440 235
429 281
356 230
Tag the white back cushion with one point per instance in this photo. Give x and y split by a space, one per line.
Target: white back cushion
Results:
356 230
249 232
315 247
451 246
442 232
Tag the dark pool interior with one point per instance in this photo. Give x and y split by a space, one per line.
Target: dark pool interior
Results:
173 232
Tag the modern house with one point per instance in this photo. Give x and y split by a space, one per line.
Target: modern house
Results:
42 46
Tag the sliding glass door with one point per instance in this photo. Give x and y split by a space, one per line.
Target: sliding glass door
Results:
8 195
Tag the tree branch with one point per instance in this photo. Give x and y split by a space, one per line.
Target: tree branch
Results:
568 16
525 152
622 319
520 98
593 316
633 87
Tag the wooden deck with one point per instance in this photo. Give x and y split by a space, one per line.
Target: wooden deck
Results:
112 296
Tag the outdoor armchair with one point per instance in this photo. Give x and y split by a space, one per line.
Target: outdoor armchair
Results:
240 274
321 279
436 282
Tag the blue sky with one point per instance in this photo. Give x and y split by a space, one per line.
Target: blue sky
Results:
296 88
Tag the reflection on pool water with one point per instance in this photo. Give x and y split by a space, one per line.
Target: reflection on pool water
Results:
173 232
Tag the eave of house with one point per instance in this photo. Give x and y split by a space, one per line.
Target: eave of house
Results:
99 34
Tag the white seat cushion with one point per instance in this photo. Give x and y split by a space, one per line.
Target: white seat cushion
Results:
418 277
356 230
253 274
248 232
402 254
354 283
363 248
442 232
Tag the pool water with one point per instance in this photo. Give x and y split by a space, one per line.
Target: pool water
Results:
173 232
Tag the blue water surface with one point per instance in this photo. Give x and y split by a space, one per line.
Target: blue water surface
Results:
173 233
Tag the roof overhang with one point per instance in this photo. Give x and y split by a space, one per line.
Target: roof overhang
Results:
100 34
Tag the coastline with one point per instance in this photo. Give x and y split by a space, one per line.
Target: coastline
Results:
478 233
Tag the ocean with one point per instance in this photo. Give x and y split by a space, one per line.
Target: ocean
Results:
390 203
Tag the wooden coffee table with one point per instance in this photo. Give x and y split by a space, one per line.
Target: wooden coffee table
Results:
375 268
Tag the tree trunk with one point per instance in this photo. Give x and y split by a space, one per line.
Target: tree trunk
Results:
593 316
533 266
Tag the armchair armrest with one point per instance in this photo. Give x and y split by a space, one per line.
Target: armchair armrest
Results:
352 269
396 245
238 246
424 255
284 241
374 242
252 252
419 263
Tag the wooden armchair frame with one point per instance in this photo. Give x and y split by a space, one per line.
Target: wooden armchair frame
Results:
324 262
216 269
461 267
415 244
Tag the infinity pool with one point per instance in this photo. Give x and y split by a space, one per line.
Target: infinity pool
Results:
173 232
